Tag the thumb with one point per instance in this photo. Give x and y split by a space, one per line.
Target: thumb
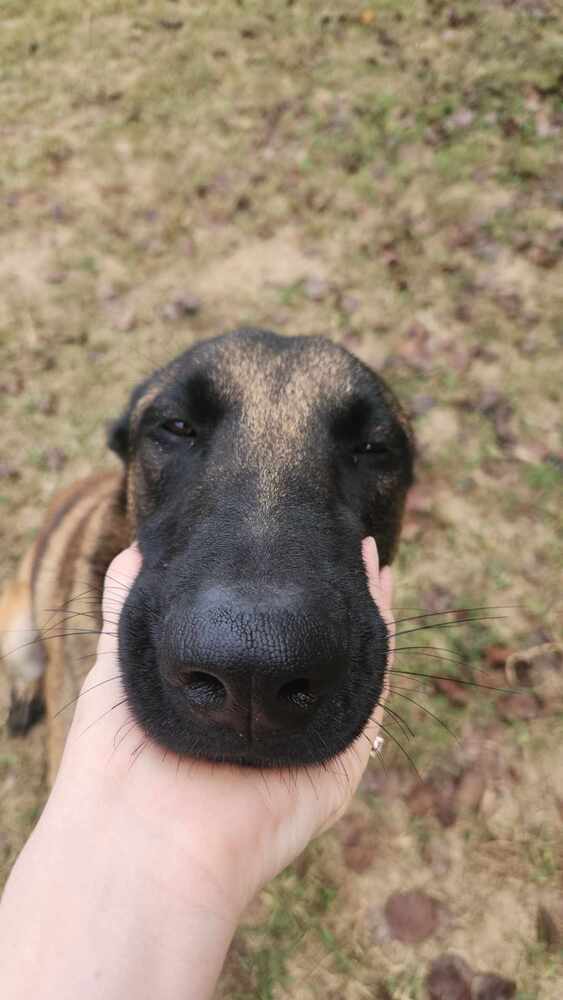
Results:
380 581
119 579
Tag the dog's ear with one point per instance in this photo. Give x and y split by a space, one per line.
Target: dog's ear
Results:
118 434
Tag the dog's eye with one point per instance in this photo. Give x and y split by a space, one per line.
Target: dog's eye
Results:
179 428
374 448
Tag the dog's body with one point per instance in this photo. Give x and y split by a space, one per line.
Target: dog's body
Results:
51 612
253 466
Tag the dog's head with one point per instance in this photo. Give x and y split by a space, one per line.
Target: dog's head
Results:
256 464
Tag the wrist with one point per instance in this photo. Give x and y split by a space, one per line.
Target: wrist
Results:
123 925
217 824
152 857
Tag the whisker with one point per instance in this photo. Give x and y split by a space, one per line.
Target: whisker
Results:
311 782
87 691
460 621
75 597
49 636
120 584
427 651
458 611
398 694
403 726
94 655
437 677
344 773
103 715
118 739
401 748
136 753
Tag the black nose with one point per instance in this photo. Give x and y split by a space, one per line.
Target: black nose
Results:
251 664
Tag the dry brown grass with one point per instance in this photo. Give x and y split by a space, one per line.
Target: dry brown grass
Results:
394 182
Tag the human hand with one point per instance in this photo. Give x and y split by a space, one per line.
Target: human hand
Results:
148 861
244 825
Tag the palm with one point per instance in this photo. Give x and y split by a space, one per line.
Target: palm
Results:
262 818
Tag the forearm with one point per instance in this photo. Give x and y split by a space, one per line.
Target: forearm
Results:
89 917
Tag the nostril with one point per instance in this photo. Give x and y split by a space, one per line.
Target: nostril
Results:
204 690
298 693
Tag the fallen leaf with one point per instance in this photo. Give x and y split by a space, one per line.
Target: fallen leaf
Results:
420 500
421 799
388 782
417 348
383 993
470 789
411 530
351 339
349 304
538 667
421 404
492 987
554 458
48 404
171 24
455 693
8 471
412 916
435 796
54 459
500 411
316 289
549 929
183 305
437 599
462 118
12 386
436 852
461 235
126 320
496 656
359 844
518 706
531 452
449 978
190 305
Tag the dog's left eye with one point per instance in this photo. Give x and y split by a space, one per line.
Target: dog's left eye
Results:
374 448
179 428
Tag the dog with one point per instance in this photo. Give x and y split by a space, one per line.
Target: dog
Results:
253 465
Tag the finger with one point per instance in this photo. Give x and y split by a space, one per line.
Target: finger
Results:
386 590
380 582
118 582
380 585
370 557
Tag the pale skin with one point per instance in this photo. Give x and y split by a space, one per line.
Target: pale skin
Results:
139 869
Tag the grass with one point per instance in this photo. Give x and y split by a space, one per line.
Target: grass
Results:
406 157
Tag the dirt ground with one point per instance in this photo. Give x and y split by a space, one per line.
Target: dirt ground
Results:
388 174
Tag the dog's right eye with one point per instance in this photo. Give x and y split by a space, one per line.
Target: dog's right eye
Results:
179 428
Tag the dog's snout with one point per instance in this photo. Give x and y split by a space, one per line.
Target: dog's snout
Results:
250 664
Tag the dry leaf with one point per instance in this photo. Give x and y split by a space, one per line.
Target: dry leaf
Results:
412 916
449 978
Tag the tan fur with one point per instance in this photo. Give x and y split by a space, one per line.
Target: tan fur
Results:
274 435
20 647
54 601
